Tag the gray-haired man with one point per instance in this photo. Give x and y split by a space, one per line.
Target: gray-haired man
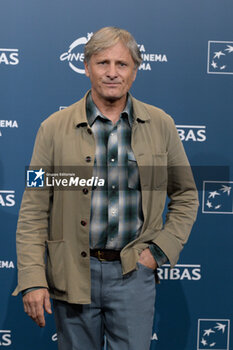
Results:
103 247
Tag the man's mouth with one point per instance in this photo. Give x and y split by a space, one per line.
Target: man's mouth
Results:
110 83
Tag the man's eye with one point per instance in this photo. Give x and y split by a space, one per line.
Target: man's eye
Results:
122 64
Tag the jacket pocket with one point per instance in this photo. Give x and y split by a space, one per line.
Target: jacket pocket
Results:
55 265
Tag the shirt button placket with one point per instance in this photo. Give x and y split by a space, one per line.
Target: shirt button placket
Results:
113 199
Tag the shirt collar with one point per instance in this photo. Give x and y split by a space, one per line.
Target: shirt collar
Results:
93 112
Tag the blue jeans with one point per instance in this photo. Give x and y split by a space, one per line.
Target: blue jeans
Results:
122 308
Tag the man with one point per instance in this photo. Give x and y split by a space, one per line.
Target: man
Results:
95 252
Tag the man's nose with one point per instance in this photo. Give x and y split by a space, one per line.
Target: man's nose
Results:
112 71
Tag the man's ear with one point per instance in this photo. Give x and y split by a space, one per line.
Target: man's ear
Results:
86 69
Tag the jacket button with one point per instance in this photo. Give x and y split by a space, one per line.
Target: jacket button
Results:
89 131
85 191
88 159
83 223
84 254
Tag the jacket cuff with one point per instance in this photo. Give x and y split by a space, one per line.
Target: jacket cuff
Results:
159 256
25 291
30 277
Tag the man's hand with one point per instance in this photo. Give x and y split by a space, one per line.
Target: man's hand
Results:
34 304
147 259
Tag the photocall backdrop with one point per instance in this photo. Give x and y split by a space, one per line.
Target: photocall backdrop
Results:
187 70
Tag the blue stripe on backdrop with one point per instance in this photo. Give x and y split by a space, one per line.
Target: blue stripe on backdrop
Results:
187 71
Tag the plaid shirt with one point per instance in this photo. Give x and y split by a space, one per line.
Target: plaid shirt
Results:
116 210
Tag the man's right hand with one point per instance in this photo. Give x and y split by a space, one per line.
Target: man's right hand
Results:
34 304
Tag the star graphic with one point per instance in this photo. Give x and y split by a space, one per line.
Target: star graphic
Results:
209 204
217 206
204 342
214 65
218 54
208 331
223 67
229 48
212 344
226 189
220 327
213 194
39 174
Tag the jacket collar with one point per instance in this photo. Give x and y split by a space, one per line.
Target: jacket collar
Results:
139 110
80 115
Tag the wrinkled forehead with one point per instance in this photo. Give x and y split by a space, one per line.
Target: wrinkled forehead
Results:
116 51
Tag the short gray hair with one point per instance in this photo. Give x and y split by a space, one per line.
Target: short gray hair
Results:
110 36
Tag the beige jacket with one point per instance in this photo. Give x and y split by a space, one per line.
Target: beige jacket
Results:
53 245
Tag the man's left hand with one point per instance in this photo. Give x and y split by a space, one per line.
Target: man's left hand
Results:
147 259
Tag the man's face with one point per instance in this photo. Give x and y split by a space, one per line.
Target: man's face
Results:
112 72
